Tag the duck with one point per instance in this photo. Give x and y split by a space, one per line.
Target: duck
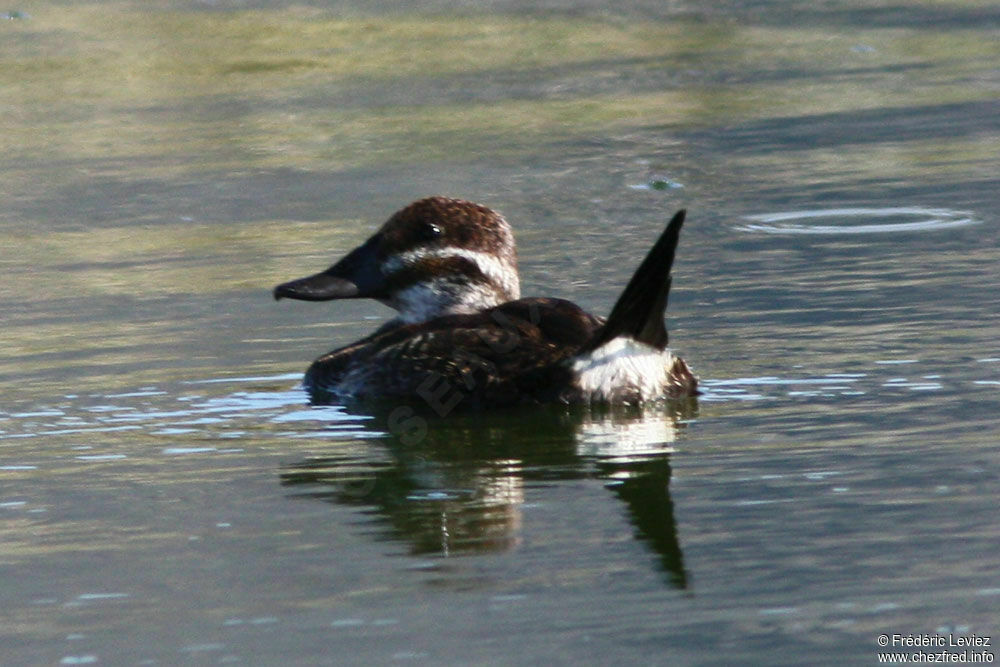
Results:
464 338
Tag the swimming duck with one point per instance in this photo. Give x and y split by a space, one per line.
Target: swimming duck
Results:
464 337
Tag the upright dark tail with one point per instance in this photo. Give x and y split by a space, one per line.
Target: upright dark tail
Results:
639 311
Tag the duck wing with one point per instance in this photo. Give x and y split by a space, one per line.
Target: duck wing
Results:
506 355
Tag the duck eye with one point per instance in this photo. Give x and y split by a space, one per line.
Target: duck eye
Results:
432 231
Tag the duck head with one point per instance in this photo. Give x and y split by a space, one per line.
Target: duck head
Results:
438 256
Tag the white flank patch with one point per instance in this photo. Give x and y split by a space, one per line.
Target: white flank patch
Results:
499 272
623 368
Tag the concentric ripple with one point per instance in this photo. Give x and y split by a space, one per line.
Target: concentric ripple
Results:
859 220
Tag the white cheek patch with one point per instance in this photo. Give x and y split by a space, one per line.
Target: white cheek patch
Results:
497 271
433 298
421 302
623 369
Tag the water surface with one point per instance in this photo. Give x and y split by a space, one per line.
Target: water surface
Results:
168 495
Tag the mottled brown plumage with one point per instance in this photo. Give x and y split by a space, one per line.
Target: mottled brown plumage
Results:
509 354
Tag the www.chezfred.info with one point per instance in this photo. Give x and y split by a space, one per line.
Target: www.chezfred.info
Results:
934 648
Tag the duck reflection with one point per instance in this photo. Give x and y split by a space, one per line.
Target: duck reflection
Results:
458 488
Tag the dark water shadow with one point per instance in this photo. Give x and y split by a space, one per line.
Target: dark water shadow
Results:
953 120
461 488
893 15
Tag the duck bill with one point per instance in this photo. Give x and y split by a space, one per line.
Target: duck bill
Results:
356 276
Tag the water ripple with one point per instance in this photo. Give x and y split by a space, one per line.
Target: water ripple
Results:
859 220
